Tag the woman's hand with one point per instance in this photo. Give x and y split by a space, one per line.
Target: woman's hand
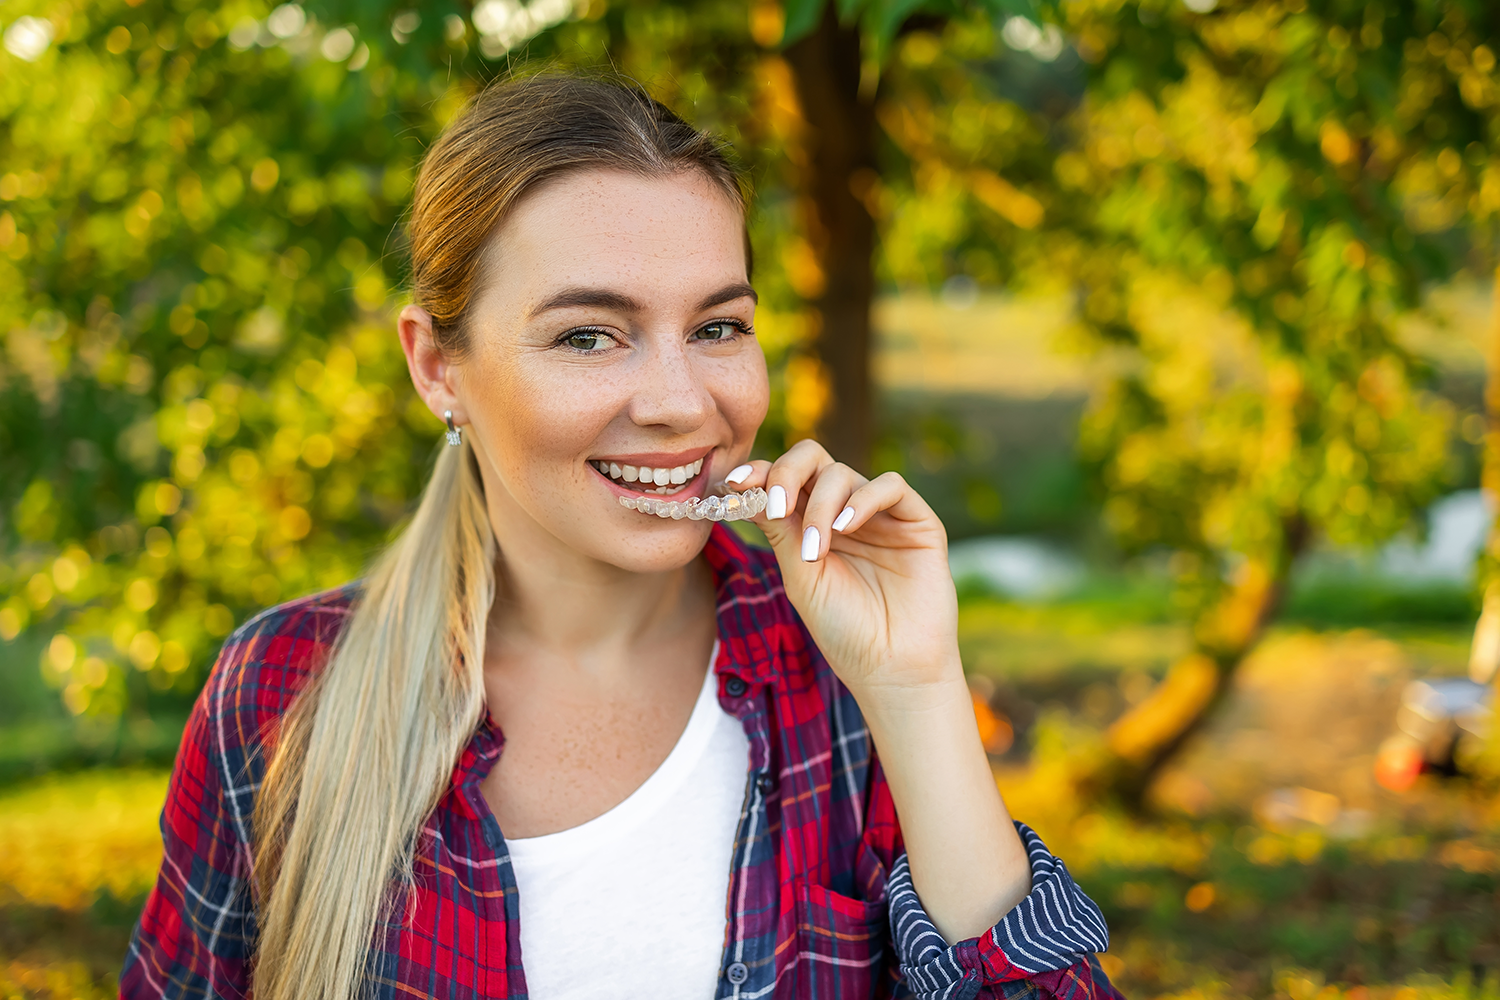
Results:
866 565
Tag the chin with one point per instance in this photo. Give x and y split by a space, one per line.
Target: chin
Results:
653 546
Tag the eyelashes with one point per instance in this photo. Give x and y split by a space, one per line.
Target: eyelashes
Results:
570 339
739 325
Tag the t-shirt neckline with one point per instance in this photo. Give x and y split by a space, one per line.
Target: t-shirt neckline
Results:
652 794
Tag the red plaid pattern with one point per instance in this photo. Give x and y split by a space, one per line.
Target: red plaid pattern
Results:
820 907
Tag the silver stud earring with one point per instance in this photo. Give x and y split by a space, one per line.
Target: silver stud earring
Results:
454 435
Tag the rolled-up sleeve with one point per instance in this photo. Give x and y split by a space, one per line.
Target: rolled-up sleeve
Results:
194 935
1048 941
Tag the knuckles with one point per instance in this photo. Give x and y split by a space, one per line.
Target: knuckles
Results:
808 445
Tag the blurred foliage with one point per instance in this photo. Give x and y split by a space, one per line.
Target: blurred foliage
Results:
49 858
1225 907
1243 198
77 855
1309 170
1243 203
991 465
1374 600
880 20
1305 170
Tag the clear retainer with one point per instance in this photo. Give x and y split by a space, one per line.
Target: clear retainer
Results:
729 507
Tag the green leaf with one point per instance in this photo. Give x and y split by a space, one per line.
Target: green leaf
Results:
1021 8
802 18
885 17
849 10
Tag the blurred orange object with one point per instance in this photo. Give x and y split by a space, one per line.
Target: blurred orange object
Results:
1200 897
1398 762
995 730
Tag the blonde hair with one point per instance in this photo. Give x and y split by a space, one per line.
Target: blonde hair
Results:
365 753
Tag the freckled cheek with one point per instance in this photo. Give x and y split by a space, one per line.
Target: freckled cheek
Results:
745 399
537 428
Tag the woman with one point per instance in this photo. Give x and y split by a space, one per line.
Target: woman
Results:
689 802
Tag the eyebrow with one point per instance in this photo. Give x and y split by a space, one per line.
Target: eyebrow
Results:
729 293
604 298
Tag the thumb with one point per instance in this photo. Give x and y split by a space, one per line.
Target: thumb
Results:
785 536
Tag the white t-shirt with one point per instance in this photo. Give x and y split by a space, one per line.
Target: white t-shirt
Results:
635 898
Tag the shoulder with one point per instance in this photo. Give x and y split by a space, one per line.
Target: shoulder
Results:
260 670
266 663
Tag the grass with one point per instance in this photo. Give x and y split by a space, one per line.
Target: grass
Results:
39 737
1232 917
1213 896
78 852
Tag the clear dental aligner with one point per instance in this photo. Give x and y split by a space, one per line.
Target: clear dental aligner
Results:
729 507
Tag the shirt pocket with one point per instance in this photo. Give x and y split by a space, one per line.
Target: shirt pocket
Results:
841 947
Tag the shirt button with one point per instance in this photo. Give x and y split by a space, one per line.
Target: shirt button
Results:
765 783
737 972
734 687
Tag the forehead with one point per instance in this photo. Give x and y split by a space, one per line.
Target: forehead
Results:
611 227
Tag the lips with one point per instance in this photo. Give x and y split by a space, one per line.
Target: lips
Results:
661 480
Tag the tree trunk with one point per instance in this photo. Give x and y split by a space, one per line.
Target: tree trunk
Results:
1143 740
1484 654
841 144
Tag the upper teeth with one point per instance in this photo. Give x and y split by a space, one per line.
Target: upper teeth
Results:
648 476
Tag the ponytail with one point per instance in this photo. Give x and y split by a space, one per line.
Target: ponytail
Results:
367 750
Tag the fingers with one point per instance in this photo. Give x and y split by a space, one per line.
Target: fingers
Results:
784 482
857 500
751 474
887 493
802 463
826 502
784 479
838 499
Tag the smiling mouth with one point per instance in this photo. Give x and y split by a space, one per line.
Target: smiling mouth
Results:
646 479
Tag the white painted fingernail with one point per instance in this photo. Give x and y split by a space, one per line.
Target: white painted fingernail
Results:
810 544
739 473
842 521
776 504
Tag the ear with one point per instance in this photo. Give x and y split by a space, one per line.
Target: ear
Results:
431 372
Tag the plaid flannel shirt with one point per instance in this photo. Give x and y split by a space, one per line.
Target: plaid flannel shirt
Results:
821 903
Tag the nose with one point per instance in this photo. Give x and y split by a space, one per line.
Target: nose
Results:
671 392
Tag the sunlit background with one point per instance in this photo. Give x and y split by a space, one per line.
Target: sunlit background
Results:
1180 312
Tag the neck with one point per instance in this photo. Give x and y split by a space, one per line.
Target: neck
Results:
571 608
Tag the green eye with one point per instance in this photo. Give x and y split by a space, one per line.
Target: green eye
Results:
586 340
717 331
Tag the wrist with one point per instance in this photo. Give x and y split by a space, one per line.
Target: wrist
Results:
888 705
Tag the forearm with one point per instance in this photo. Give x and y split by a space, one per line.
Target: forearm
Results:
967 863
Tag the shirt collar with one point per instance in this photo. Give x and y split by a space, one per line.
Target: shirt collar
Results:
756 621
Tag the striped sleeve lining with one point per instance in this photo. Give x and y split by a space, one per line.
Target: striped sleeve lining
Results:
1051 929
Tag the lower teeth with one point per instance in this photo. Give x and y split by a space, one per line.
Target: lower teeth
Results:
729 507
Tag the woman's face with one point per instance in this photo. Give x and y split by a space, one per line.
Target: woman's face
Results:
611 333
